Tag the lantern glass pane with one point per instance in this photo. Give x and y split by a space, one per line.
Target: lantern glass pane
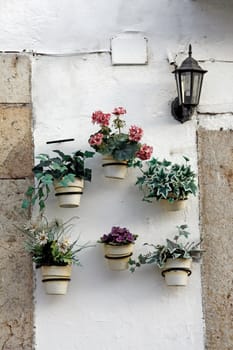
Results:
178 86
186 88
197 81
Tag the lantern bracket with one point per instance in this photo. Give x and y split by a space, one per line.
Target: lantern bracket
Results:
180 112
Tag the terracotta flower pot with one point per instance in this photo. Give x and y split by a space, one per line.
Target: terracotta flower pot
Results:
115 169
118 256
69 196
176 271
56 278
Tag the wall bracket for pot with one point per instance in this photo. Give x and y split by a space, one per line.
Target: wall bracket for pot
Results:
177 269
55 279
118 257
65 193
59 141
113 163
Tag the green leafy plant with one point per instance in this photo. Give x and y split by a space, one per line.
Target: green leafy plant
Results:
48 243
173 249
121 146
63 168
166 180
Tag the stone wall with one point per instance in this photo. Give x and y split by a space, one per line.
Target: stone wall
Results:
216 217
16 158
215 154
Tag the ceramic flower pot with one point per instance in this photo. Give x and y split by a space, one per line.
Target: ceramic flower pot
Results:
69 196
174 206
114 169
56 278
118 256
176 271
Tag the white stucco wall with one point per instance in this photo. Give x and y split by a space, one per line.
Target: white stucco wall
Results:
105 309
108 310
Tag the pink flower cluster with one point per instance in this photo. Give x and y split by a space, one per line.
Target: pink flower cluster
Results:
135 133
145 152
105 140
101 118
119 110
96 139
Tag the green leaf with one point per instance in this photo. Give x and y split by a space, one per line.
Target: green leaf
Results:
88 154
87 174
40 193
60 167
47 179
66 179
183 227
30 191
25 204
186 158
61 154
42 156
41 204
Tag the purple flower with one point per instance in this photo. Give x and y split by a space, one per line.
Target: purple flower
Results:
118 236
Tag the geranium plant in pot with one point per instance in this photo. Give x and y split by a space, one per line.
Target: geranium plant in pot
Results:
118 247
52 252
66 173
168 182
119 149
174 258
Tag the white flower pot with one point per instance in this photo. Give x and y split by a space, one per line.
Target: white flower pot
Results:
118 250
118 264
118 256
69 196
174 206
56 278
115 169
176 271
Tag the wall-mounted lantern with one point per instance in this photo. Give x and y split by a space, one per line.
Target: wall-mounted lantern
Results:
189 78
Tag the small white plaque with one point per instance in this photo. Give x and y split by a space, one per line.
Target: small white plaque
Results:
129 48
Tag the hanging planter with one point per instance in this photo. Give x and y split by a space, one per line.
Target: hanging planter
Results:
119 149
118 256
66 173
176 271
176 205
69 196
56 278
118 263
114 169
167 182
118 247
52 252
174 258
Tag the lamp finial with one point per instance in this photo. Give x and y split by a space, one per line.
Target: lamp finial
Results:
190 50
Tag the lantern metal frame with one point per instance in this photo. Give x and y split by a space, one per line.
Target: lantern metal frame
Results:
181 109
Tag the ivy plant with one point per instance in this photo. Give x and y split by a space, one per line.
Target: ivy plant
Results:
166 180
173 249
63 168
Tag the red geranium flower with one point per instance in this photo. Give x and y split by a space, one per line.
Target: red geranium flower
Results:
96 139
135 133
145 152
119 110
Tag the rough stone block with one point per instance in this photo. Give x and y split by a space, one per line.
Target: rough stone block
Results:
216 213
16 141
15 84
16 278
